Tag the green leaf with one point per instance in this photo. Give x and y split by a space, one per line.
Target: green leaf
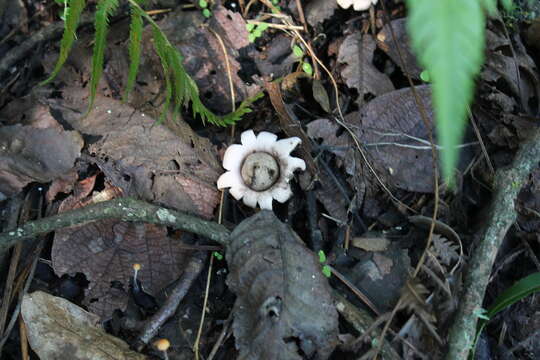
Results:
160 44
206 13
307 68
257 33
252 37
203 3
520 290
105 9
322 256
489 5
262 26
250 27
523 288
508 5
448 38
424 75
135 38
71 21
297 51
217 255
327 271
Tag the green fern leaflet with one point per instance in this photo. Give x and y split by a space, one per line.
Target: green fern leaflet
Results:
179 86
448 38
74 8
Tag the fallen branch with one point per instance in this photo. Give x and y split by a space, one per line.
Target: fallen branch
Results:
126 209
508 183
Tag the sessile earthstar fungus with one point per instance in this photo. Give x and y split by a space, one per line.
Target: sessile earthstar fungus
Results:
358 5
259 169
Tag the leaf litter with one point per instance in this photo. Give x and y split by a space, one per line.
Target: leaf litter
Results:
126 153
105 251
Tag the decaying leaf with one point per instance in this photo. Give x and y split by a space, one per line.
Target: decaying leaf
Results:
413 296
104 251
319 10
284 307
204 57
445 250
381 275
175 168
371 242
388 45
360 74
30 154
517 74
58 329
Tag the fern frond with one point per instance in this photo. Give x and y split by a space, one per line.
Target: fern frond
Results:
134 50
160 44
448 38
72 17
180 86
105 8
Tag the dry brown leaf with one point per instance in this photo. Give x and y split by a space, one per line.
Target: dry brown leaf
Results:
359 73
371 242
30 154
445 250
284 307
381 276
388 45
58 329
204 57
319 10
104 251
175 168
516 75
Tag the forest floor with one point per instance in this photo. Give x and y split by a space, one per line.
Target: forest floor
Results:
363 206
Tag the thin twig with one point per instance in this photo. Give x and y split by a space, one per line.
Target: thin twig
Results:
191 272
126 209
203 313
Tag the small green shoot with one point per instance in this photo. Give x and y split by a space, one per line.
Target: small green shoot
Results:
308 69
217 255
256 31
203 4
327 271
297 51
322 257
206 13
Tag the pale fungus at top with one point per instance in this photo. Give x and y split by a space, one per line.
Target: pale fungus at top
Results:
260 168
358 5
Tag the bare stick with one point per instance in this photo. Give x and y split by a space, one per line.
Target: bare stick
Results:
503 214
126 209
191 272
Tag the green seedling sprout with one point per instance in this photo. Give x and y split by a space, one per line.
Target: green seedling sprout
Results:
256 31
326 270
308 69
